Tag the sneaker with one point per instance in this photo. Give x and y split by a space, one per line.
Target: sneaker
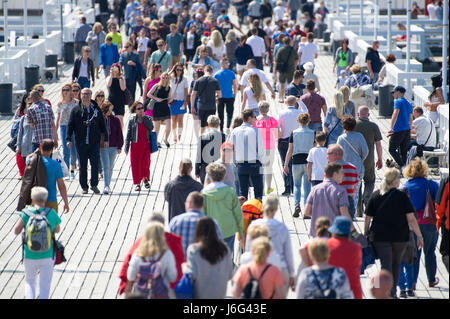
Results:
270 190
106 191
435 283
403 294
67 178
72 175
297 211
410 293
286 193
95 189
84 191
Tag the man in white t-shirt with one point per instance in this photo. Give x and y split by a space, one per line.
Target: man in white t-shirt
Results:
432 10
308 52
258 47
251 68
424 128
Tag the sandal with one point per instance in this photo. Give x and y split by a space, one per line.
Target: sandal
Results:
147 184
137 188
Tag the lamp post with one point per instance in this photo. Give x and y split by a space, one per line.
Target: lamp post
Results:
5 26
389 30
408 44
361 13
44 18
445 52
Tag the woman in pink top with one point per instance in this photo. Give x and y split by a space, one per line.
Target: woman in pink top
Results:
153 77
268 126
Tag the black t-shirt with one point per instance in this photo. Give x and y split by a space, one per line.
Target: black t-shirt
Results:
374 57
261 33
310 25
206 88
389 223
151 44
298 158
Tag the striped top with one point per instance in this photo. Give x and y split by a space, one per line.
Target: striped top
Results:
350 177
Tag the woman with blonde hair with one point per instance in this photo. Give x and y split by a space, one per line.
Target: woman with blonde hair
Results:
418 187
217 45
231 43
76 91
269 277
179 99
99 97
154 72
63 110
280 239
253 94
389 217
95 38
161 111
345 90
333 120
322 280
152 248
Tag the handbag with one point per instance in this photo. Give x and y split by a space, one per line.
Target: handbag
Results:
329 133
154 141
184 288
429 213
420 147
58 252
56 155
12 144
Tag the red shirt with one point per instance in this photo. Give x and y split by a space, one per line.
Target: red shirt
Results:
347 254
314 103
350 178
173 242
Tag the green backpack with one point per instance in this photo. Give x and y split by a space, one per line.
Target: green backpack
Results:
37 236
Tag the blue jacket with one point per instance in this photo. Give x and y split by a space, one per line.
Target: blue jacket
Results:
131 72
109 54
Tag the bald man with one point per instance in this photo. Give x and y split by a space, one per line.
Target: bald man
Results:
373 137
381 284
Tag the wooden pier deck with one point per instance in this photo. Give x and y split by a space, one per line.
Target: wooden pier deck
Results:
99 229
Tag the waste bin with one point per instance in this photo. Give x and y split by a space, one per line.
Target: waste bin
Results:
6 90
51 61
69 52
31 76
321 29
385 100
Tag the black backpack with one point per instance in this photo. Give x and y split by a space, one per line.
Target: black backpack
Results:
327 293
251 289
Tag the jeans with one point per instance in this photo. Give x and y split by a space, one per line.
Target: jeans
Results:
375 77
364 196
406 279
399 140
230 243
390 255
106 70
236 179
131 86
317 127
294 15
45 269
283 145
91 152
227 103
108 155
84 82
70 154
430 237
253 172
355 200
259 62
443 249
351 207
299 172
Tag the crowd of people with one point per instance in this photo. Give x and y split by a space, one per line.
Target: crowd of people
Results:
327 153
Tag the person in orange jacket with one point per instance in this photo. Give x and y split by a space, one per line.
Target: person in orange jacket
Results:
442 203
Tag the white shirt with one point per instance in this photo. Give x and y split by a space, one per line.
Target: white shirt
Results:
318 157
278 12
261 74
432 11
423 126
163 11
302 106
308 52
287 122
83 70
254 9
197 5
257 44
218 52
190 41
142 44
251 101
248 144
178 88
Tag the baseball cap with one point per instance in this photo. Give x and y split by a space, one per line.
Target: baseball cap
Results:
227 145
198 16
341 226
343 72
399 88
226 17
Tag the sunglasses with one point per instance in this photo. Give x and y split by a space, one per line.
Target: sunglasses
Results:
139 108
180 70
41 90
100 95
65 90
87 50
127 47
75 90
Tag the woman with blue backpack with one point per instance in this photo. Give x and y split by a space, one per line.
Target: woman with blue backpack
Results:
40 224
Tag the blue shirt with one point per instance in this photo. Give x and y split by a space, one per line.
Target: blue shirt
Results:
54 172
402 123
225 78
109 54
174 43
417 189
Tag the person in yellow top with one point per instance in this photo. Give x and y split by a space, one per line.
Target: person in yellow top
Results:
115 35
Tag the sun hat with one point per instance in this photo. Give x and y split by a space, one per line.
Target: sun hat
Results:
341 226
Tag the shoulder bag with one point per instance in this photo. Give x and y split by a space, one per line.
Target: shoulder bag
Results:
162 57
329 133
429 213
351 146
282 67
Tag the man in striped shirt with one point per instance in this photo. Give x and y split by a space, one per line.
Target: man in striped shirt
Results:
335 153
